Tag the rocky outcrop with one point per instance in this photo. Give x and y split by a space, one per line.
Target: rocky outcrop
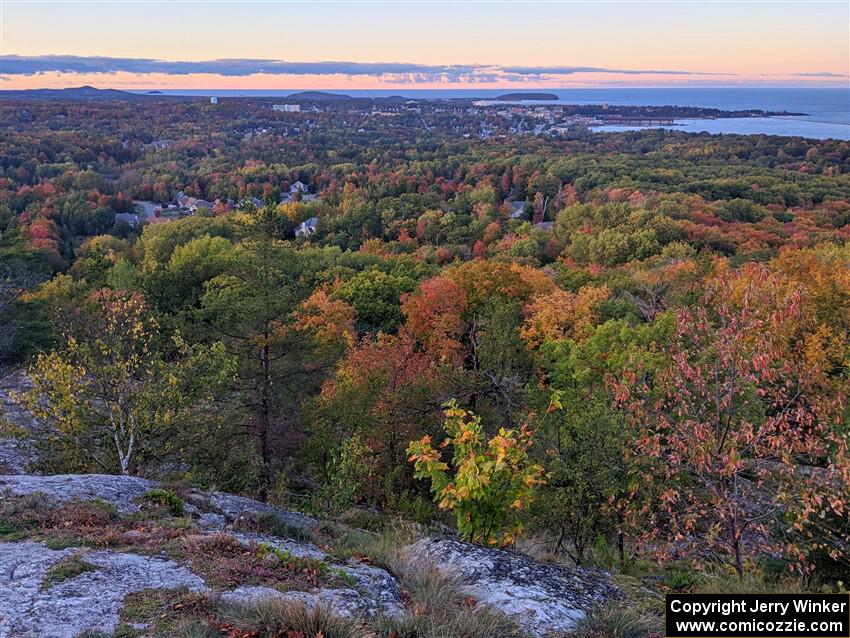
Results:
89 601
163 553
299 549
541 598
374 591
120 491
232 506
215 508
92 600
377 588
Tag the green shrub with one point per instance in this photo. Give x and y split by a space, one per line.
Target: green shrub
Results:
169 500
10 531
345 469
493 481
681 578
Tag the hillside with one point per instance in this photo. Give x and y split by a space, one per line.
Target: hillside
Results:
84 94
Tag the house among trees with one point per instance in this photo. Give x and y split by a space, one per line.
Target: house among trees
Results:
132 219
306 228
192 204
298 191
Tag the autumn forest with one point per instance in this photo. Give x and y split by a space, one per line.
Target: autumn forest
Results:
628 351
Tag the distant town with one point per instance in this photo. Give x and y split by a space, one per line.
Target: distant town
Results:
258 122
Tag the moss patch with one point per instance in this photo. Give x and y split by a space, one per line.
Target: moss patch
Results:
162 609
67 568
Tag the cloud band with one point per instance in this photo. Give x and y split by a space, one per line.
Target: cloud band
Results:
237 67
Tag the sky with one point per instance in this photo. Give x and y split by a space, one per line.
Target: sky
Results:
211 44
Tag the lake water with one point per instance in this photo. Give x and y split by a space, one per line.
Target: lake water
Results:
827 110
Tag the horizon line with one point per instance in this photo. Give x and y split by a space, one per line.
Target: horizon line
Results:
458 87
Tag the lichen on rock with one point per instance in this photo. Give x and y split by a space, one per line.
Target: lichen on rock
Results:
542 598
89 601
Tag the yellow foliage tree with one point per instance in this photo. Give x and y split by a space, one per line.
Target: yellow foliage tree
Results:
562 314
493 481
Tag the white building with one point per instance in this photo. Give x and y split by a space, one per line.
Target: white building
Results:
213 100
306 228
287 108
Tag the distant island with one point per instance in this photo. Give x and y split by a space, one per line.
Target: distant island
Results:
520 97
319 96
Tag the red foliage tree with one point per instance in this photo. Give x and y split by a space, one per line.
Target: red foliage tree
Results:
740 437
434 316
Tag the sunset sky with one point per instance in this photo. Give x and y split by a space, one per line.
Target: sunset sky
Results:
338 45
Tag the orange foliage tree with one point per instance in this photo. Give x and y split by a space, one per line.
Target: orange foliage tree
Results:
330 321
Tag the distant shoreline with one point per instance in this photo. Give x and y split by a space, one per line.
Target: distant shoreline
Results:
613 113
740 111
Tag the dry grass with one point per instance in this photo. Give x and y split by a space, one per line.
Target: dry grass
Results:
438 608
225 563
729 582
435 604
279 618
163 609
380 549
269 524
75 523
617 620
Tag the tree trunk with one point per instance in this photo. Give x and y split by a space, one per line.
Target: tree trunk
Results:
265 420
621 547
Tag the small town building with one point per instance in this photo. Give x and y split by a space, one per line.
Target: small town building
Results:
306 228
132 219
